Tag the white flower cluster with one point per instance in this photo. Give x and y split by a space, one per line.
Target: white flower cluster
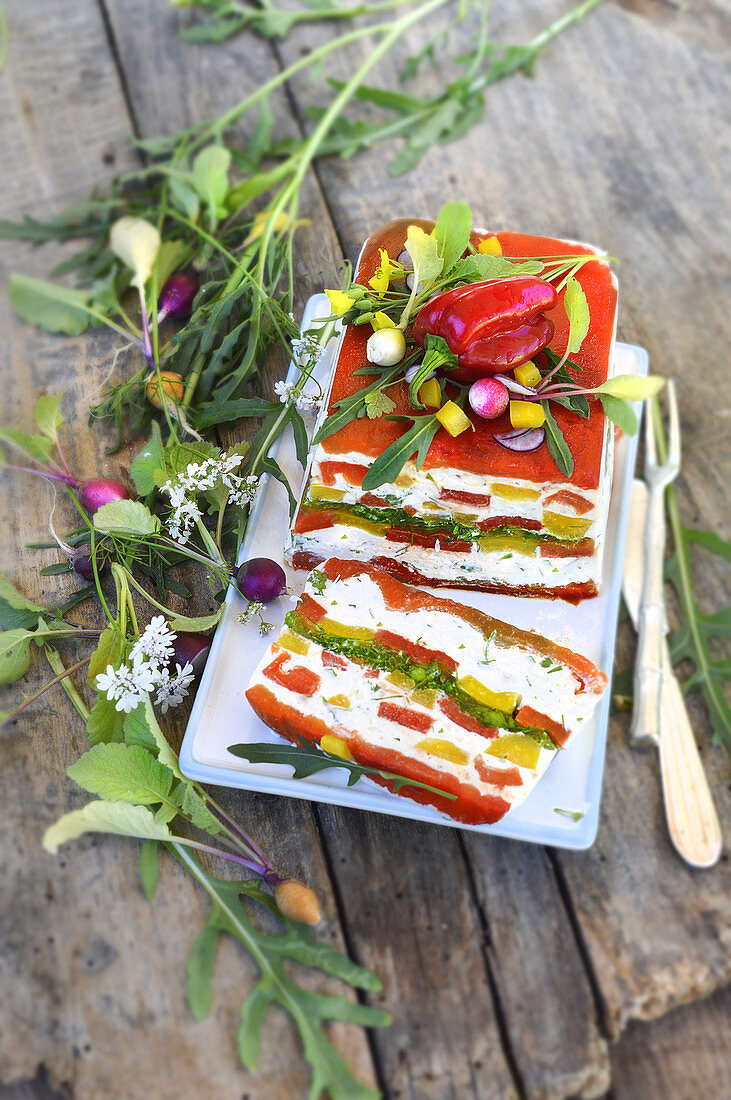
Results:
307 350
148 671
253 607
199 477
288 395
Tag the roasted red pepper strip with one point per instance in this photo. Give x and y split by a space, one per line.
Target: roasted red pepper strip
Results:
298 679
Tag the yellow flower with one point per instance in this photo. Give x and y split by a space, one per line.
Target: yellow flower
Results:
490 247
382 278
280 222
382 320
339 301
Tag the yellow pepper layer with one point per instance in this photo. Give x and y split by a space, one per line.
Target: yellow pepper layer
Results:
506 701
400 680
435 746
335 745
340 630
294 643
425 697
517 748
513 492
512 544
348 519
324 492
565 527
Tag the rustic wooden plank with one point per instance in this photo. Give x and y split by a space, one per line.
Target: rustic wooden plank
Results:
682 1056
586 151
95 975
409 910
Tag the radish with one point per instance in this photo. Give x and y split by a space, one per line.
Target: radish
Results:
488 398
176 297
261 580
99 491
193 648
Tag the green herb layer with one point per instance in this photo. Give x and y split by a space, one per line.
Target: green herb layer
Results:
399 517
432 675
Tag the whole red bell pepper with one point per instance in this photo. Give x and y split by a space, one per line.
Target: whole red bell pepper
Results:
491 326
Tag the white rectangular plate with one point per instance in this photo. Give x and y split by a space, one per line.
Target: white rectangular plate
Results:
221 715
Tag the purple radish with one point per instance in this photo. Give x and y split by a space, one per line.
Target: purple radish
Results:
190 647
488 398
83 566
261 580
96 492
176 297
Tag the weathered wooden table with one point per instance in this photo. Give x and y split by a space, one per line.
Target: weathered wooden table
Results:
510 970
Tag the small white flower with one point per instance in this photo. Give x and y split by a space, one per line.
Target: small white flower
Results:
284 391
124 686
155 642
252 608
173 689
265 628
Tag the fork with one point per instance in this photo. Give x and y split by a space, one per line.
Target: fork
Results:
648 677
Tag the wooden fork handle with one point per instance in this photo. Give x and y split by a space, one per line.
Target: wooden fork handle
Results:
691 815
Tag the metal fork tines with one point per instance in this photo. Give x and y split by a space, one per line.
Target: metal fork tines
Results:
648 677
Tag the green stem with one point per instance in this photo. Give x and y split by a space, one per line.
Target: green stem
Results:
62 673
688 607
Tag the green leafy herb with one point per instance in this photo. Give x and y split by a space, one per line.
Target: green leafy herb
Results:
577 311
378 403
308 760
452 233
575 815
557 446
389 464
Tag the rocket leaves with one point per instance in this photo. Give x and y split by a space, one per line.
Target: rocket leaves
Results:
307 760
390 462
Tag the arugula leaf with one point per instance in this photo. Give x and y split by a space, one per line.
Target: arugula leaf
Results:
391 462
149 867
210 179
148 461
477 268
330 1073
577 312
620 413
199 968
576 401
350 408
631 387
452 233
557 446
49 306
48 417
308 760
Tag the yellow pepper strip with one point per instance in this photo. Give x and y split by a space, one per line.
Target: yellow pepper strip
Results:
324 492
513 492
425 697
340 630
430 393
526 414
382 320
527 374
339 302
294 643
335 745
490 247
506 701
435 746
565 527
517 748
514 544
400 680
451 417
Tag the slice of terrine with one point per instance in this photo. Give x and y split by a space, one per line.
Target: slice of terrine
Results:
405 681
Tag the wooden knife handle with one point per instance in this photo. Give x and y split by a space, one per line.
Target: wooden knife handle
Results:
691 816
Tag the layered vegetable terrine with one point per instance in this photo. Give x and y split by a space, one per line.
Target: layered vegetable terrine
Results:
477 513
401 680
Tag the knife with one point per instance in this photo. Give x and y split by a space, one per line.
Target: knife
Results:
691 815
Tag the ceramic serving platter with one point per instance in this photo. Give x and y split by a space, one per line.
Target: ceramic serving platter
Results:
221 715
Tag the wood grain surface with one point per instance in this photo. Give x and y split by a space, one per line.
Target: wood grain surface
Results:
509 970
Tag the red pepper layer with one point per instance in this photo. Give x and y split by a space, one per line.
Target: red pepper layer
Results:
529 717
402 597
477 451
470 806
417 652
500 777
300 680
403 716
466 721
572 593
478 500
572 500
352 473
